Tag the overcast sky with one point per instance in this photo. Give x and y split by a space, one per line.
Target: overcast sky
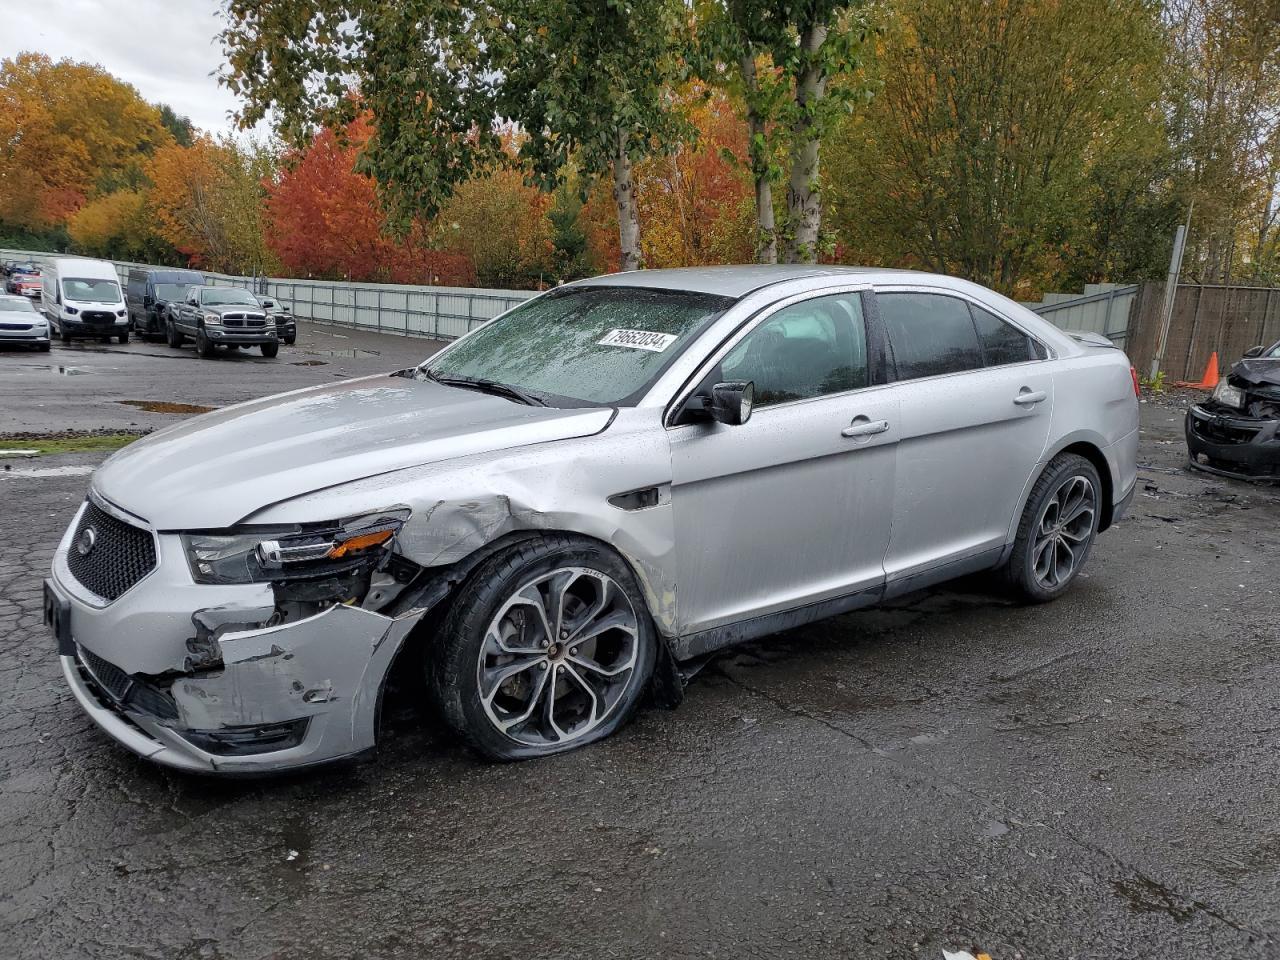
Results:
166 48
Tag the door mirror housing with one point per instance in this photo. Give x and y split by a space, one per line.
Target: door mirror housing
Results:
1254 352
729 403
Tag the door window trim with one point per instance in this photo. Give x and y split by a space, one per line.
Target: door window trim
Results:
969 301
879 372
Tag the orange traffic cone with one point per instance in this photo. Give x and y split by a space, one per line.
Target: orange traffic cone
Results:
1210 378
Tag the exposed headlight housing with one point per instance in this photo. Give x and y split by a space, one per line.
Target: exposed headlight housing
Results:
1228 395
212 319
265 554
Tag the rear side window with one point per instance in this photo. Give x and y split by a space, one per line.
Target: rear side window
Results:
1001 342
929 334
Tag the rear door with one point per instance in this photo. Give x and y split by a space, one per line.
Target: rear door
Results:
975 399
793 506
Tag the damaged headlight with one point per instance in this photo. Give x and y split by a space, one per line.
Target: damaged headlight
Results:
257 555
1228 395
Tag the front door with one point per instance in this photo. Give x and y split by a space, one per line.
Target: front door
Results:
793 506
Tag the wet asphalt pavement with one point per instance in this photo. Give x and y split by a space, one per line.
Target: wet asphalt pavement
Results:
1096 778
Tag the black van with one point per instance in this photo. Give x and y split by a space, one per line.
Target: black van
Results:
148 293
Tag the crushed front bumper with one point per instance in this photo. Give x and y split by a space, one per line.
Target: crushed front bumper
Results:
193 677
1233 445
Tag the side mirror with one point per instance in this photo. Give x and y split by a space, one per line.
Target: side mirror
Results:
1253 352
730 403
148 300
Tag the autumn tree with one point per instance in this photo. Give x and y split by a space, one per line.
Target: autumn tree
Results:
208 201
500 224
695 201
324 220
116 225
66 127
1224 96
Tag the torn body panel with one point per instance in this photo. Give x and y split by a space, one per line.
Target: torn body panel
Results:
462 506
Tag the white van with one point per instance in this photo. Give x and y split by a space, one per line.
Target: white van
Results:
82 298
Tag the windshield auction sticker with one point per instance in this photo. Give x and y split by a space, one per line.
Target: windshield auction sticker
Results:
638 340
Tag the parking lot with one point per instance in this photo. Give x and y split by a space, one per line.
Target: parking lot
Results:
1094 778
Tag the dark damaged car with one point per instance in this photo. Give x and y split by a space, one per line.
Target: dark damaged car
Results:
1236 432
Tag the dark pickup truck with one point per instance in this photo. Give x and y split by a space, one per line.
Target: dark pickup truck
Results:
221 316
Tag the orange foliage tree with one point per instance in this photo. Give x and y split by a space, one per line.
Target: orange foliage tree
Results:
696 203
65 129
324 220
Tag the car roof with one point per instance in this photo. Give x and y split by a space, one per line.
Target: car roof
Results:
735 281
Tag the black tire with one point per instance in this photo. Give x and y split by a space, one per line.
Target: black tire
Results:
124 337
1036 575
270 350
453 663
66 337
44 347
289 341
171 335
204 346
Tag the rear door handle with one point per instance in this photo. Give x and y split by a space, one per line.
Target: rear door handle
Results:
1026 398
862 427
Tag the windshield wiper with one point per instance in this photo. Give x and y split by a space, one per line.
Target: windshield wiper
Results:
488 386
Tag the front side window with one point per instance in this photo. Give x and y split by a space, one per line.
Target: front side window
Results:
91 291
584 345
809 349
929 334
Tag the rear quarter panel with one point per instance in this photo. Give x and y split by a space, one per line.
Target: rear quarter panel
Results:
1094 402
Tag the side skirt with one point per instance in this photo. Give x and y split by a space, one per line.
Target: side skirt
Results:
694 645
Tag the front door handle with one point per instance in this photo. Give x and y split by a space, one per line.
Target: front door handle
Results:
862 427
1027 398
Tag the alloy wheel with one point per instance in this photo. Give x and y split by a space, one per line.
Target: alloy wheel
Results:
1063 531
558 657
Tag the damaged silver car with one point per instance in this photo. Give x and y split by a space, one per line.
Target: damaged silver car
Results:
576 503
1236 432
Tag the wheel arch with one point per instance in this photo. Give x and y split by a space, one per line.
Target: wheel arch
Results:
439 589
1093 453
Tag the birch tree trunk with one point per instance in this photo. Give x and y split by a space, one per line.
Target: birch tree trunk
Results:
624 197
766 229
804 205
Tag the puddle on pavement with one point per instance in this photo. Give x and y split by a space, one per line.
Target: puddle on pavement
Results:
58 370
310 363
71 471
349 354
165 406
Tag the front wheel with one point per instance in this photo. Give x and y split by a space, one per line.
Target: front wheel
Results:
1057 529
547 647
269 350
171 334
204 346
124 337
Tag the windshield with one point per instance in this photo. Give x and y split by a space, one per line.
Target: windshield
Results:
217 295
13 303
1273 353
91 291
170 291
593 345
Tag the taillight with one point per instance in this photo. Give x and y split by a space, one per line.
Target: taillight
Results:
1137 388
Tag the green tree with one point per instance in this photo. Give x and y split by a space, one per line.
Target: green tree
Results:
780 58
182 129
997 126
568 239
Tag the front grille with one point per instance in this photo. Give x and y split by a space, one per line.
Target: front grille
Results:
110 677
15 326
97 316
120 554
1218 432
244 320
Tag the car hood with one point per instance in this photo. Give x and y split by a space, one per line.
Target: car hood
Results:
221 308
214 470
1258 371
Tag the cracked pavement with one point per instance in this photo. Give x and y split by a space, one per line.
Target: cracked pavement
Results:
1093 778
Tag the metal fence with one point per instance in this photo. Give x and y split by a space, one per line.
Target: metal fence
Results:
1103 308
448 312
424 311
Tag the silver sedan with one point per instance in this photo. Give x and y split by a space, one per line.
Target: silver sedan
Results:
565 508
21 322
